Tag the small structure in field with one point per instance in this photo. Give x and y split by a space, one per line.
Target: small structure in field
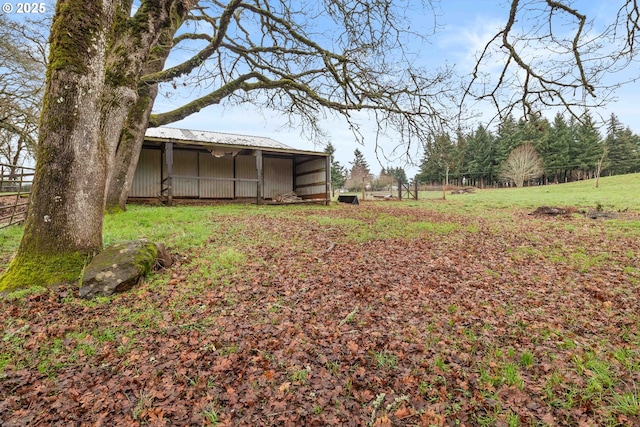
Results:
189 164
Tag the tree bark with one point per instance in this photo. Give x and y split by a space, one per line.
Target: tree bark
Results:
97 55
128 151
132 136
64 221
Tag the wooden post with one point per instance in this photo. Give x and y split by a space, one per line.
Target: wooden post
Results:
235 185
399 189
327 175
259 195
168 152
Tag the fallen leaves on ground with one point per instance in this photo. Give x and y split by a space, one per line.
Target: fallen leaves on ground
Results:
490 322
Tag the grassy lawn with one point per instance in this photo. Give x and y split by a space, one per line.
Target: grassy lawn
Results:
613 193
464 311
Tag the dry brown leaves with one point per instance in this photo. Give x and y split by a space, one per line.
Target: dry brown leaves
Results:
317 330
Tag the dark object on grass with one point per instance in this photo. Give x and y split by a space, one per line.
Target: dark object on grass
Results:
348 199
600 214
551 210
466 190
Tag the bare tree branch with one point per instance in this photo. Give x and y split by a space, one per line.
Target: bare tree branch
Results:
276 55
552 55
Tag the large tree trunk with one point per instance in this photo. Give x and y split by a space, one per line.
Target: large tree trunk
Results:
128 151
94 68
64 222
132 137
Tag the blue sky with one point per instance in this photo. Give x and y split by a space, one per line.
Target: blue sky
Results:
465 27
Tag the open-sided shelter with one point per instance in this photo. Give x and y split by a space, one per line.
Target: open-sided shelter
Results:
180 163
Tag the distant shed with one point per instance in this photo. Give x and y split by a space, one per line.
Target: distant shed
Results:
180 163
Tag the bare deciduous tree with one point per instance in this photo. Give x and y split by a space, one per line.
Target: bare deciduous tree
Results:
522 164
551 54
22 68
304 60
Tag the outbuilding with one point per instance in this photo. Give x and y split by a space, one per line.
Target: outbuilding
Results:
190 164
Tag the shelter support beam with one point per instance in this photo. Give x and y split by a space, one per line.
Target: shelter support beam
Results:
260 176
168 150
327 175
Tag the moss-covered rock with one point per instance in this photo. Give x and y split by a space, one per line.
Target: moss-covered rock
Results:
118 268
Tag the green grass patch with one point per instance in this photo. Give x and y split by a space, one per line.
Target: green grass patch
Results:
10 238
179 227
385 359
613 193
626 403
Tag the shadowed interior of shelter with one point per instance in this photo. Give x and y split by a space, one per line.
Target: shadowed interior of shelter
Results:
187 164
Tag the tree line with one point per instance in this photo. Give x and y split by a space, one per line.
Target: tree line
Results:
569 150
359 176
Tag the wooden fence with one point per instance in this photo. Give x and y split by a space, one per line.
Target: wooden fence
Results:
15 187
408 191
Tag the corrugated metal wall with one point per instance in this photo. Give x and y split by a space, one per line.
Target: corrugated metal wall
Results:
146 181
310 177
218 167
278 176
246 168
185 163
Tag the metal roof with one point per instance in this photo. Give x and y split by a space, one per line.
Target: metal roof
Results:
201 137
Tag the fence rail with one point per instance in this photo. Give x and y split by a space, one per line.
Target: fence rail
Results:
15 187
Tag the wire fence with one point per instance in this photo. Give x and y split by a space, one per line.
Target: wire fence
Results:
15 187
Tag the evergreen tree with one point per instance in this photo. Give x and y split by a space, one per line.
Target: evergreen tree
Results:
438 159
359 169
620 147
587 146
508 137
338 172
359 163
398 174
482 154
460 159
556 159
635 139
429 169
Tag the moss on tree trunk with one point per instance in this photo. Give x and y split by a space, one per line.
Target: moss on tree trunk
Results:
132 136
64 222
96 58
